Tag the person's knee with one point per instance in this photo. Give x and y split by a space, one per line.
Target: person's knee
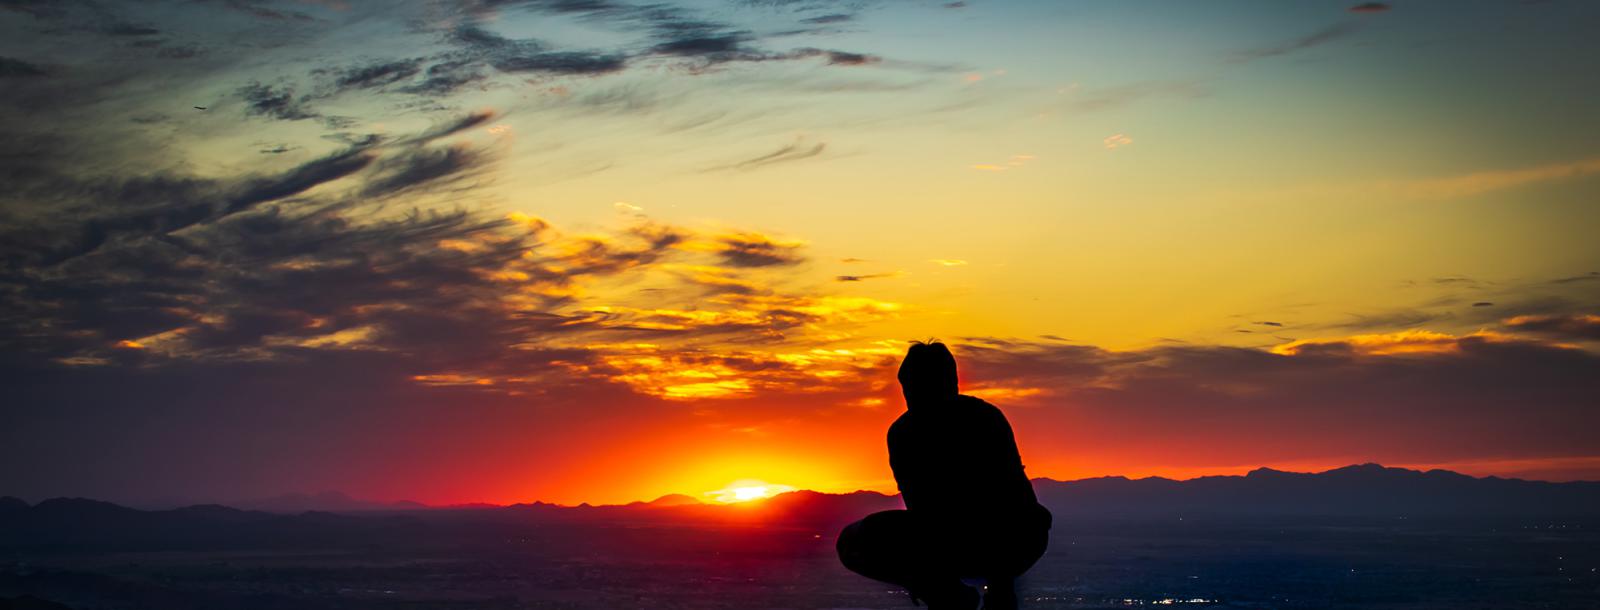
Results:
848 545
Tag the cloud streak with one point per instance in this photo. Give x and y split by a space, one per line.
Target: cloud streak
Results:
1320 37
793 151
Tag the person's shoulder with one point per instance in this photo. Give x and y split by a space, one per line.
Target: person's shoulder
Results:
901 424
977 405
979 409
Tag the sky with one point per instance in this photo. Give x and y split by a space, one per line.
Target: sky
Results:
601 251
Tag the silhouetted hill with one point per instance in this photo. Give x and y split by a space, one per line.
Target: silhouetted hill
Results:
329 501
819 508
9 504
667 501
1367 490
674 500
75 522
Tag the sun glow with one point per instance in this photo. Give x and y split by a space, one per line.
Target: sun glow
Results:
746 490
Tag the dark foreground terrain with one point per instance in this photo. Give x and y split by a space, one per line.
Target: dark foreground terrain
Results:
779 554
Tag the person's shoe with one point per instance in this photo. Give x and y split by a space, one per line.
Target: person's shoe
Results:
1000 597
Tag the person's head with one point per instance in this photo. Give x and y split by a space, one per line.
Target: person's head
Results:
928 373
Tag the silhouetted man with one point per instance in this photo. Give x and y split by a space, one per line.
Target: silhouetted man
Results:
970 510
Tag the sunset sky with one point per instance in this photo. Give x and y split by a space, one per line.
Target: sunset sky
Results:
600 251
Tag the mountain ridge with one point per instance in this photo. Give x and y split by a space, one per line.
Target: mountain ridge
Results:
1367 491
337 502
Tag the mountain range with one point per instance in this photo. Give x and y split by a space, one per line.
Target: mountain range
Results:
1361 491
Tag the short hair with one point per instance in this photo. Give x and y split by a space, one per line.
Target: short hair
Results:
929 368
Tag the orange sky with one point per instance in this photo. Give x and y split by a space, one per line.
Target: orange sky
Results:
601 252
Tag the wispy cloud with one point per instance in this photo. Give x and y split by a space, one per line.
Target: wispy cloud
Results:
1015 161
1476 183
1081 99
275 102
756 250
1578 326
793 151
868 276
1320 37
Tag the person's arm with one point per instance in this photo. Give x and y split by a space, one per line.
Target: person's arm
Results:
904 476
1006 460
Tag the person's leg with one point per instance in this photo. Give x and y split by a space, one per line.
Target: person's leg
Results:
877 547
1019 552
889 546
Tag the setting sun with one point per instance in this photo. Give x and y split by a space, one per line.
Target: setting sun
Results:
745 490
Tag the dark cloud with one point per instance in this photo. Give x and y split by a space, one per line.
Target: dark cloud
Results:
446 77
715 47
123 28
518 56
794 151
16 68
829 19
1483 304
278 103
253 268
39 9
562 62
378 74
137 212
1369 7
300 179
837 58
1592 276
1435 401
752 250
1268 323
857 278
423 168
476 52
1576 326
674 31
186 51
339 122
644 244
258 9
454 126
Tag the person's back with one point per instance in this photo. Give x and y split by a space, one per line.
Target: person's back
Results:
958 463
970 509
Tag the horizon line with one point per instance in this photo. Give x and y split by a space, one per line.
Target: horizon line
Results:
395 504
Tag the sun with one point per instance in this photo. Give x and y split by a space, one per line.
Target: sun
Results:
753 492
746 490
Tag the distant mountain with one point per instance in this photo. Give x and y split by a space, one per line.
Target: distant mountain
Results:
9 504
1368 490
329 501
829 509
79 522
672 500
